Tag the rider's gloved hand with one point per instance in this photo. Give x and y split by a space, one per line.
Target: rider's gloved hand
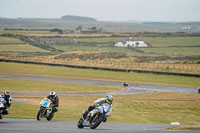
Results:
90 108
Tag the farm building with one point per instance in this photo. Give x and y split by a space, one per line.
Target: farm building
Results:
89 30
131 43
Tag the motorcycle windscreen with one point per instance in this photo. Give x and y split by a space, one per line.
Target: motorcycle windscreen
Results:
2 99
106 109
45 103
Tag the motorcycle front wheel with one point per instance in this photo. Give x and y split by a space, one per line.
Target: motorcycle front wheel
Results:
40 114
96 121
80 123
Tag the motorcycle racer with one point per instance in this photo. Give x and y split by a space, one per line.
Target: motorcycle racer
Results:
8 99
108 99
55 100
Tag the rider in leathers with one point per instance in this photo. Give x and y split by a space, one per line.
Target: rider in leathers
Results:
7 97
108 99
55 100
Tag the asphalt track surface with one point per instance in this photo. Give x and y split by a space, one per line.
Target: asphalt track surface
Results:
34 126
132 89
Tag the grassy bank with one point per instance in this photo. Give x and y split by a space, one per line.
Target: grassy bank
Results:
196 127
49 71
144 108
16 85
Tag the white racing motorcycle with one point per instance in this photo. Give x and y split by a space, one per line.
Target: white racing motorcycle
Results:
45 110
2 106
94 118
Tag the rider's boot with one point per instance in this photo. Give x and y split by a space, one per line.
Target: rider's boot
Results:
5 112
84 114
87 120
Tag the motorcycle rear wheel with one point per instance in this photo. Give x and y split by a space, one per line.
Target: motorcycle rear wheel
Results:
50 117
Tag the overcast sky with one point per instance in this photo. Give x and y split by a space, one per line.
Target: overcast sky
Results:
104 10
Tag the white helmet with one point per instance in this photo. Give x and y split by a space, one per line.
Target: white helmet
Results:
52 93
7 93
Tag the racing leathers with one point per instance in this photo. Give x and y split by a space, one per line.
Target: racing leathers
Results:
7 104
55 102
96 104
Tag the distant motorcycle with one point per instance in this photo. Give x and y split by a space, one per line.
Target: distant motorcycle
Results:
2 106
125 84
98 115
45 110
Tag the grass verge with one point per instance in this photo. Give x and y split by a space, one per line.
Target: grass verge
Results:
63 72
197 127
162 108
43 86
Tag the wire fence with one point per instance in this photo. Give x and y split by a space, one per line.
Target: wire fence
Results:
113 66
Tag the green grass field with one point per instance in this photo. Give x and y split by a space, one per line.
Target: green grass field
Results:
9 40
8 44
182 46
162 108
141 108
169 51
12 48
49 71
23 32
16 85
100 39
172 41
74 48
172 51
154 41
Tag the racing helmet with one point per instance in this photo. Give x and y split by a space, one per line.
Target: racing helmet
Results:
7 93
52 94
109 99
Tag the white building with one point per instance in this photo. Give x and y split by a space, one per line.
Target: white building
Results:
131 44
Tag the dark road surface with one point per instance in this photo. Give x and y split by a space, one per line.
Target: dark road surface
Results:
34 126
132 89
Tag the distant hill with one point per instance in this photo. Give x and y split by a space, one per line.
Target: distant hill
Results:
78 18
112 26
